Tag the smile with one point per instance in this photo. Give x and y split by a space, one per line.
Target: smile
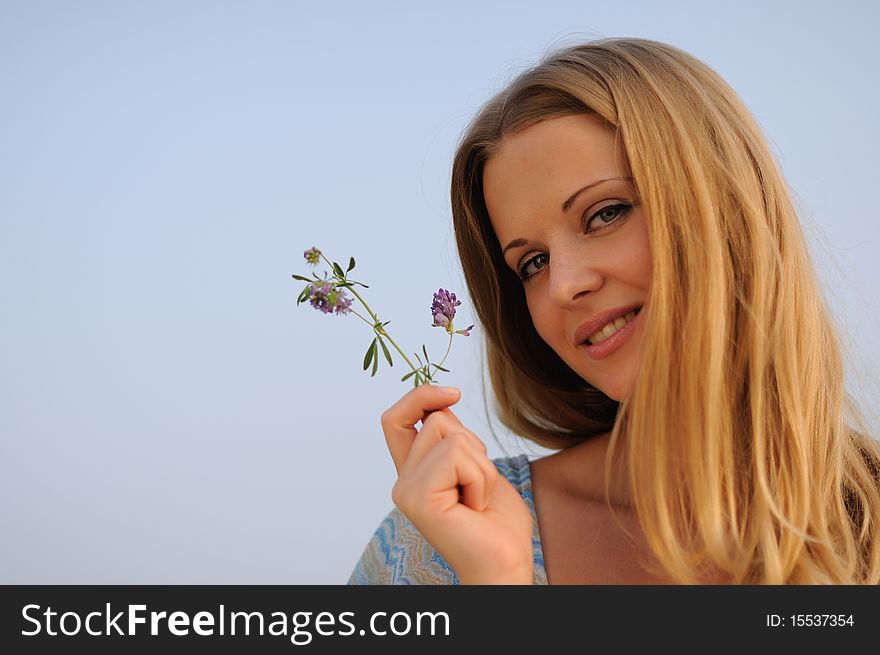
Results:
612 336
612 327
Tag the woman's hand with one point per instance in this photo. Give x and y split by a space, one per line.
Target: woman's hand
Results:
484 532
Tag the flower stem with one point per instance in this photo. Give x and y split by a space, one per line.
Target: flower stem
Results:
378 330
382 331
362 318
446 355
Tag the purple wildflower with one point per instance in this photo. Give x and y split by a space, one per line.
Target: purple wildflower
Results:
313 256
443 309
466 332
326 297
320 297
343 302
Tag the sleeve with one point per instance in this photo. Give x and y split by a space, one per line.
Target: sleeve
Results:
397 553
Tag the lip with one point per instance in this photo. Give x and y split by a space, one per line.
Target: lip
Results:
612 343
599 321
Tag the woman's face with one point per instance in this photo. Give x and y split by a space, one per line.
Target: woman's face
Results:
567 218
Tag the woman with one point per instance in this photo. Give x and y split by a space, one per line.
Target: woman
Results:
651 311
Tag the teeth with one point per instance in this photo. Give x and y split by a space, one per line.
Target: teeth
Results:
611 328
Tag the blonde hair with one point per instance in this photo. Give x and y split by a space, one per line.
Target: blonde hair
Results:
737 442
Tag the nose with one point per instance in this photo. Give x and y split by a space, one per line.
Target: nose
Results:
572 276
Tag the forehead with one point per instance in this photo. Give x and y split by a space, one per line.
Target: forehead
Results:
540 166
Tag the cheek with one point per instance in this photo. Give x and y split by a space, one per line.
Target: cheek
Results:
536 314
641 256
546 322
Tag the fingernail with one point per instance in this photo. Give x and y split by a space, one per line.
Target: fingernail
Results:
450 391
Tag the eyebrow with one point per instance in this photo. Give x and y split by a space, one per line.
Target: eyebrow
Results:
566 206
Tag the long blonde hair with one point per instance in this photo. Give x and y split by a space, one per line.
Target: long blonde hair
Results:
738 436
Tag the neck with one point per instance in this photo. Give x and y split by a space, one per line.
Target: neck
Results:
582 474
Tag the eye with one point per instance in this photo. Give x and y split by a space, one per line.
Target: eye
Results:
524 276
605 217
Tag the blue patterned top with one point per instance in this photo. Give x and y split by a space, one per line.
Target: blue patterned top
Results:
399 554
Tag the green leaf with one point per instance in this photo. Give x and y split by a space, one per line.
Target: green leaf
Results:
385 323
350 264
407 376
343 285
375 363
427 359
419 359
385 350
304 295
440 368
338 270
371 352
300 277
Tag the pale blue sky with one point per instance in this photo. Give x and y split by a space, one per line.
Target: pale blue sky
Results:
167 413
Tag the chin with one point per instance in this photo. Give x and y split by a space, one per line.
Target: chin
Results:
613 395
615 391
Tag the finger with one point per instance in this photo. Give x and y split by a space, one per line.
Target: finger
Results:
438 426
458 425
436 481
398 422
451 465
476 485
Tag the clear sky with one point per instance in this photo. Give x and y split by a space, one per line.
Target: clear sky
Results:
167 413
